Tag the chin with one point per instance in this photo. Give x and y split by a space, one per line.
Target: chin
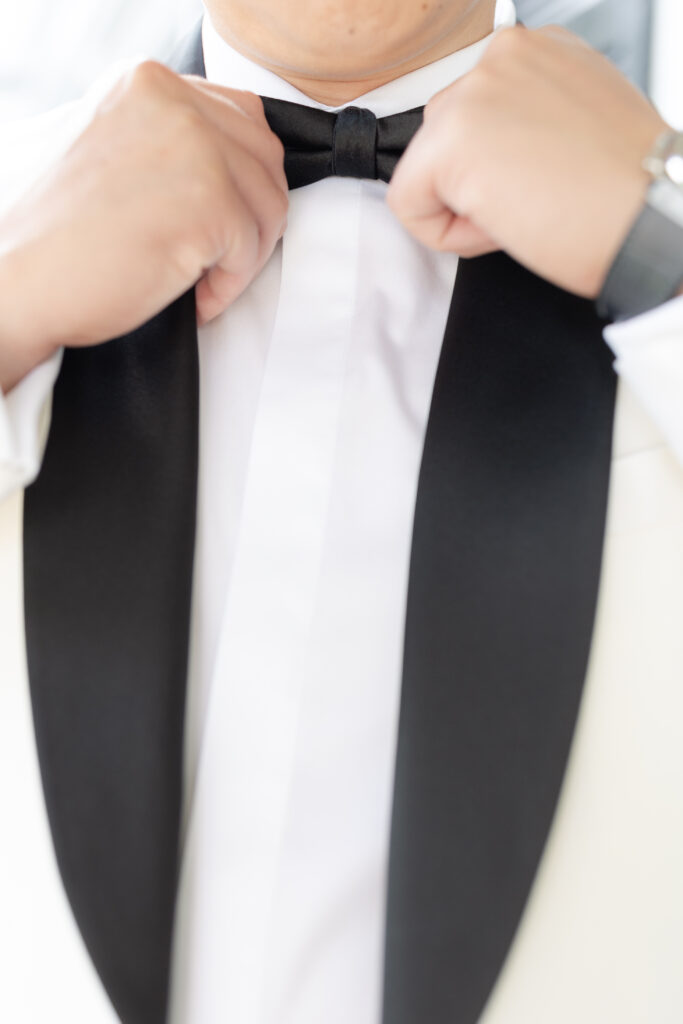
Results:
365 48
342 40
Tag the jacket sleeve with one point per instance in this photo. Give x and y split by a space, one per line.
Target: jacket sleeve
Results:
649 357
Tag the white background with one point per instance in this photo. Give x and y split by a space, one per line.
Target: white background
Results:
52 50
667 64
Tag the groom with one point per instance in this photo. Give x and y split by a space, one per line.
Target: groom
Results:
366 500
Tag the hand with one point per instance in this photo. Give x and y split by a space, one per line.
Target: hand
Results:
174 182
537 152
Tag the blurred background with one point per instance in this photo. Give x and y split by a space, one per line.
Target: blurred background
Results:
51 50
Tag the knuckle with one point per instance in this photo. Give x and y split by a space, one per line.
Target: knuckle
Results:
508 43
507 39
442 136
186 256
476 90
189 123
187 142
148 77
203 195
435 105
247 104
253 104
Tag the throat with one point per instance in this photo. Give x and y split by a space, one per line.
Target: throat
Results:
349 57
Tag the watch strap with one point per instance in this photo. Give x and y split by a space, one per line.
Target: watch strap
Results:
648 269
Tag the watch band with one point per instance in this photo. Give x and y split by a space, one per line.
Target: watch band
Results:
648 269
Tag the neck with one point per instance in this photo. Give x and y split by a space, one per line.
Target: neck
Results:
349 74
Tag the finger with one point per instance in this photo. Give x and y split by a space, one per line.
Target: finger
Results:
235 264
445 231
466 239
216 291
240 116
422 201
254 215
265 200
249 102
412 194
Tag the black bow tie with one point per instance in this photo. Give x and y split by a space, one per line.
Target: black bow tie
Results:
352 143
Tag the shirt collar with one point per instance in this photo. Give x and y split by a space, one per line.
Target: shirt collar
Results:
225 66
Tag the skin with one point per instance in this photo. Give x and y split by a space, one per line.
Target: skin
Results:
336 50
211 219
570 131
538 152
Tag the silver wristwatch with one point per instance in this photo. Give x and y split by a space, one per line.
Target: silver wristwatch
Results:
648 269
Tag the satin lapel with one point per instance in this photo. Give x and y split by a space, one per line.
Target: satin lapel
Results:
504 576
109 532
188 59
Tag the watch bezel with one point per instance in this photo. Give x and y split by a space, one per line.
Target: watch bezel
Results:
665 161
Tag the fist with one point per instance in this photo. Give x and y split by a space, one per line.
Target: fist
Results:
538 152
175 182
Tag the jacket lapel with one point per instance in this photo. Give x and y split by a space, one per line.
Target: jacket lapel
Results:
109 529
504 577
108 551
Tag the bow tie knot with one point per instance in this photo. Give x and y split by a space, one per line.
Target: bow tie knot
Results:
351 143
354 143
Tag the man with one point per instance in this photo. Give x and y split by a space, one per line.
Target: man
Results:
320 405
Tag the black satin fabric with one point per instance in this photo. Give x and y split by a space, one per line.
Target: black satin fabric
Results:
504 575
108 551
351 143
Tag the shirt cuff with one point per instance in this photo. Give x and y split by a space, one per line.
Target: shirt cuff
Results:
649 351
24 426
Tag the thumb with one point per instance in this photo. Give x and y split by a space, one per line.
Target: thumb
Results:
465 238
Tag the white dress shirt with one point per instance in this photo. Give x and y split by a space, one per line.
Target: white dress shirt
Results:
315 392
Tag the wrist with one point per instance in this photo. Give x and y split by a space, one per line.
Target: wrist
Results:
647 270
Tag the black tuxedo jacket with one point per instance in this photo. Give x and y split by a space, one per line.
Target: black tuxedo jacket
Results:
504 575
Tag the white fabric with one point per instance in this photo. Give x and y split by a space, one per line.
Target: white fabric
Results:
315 392
312 419
24 423
649 351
